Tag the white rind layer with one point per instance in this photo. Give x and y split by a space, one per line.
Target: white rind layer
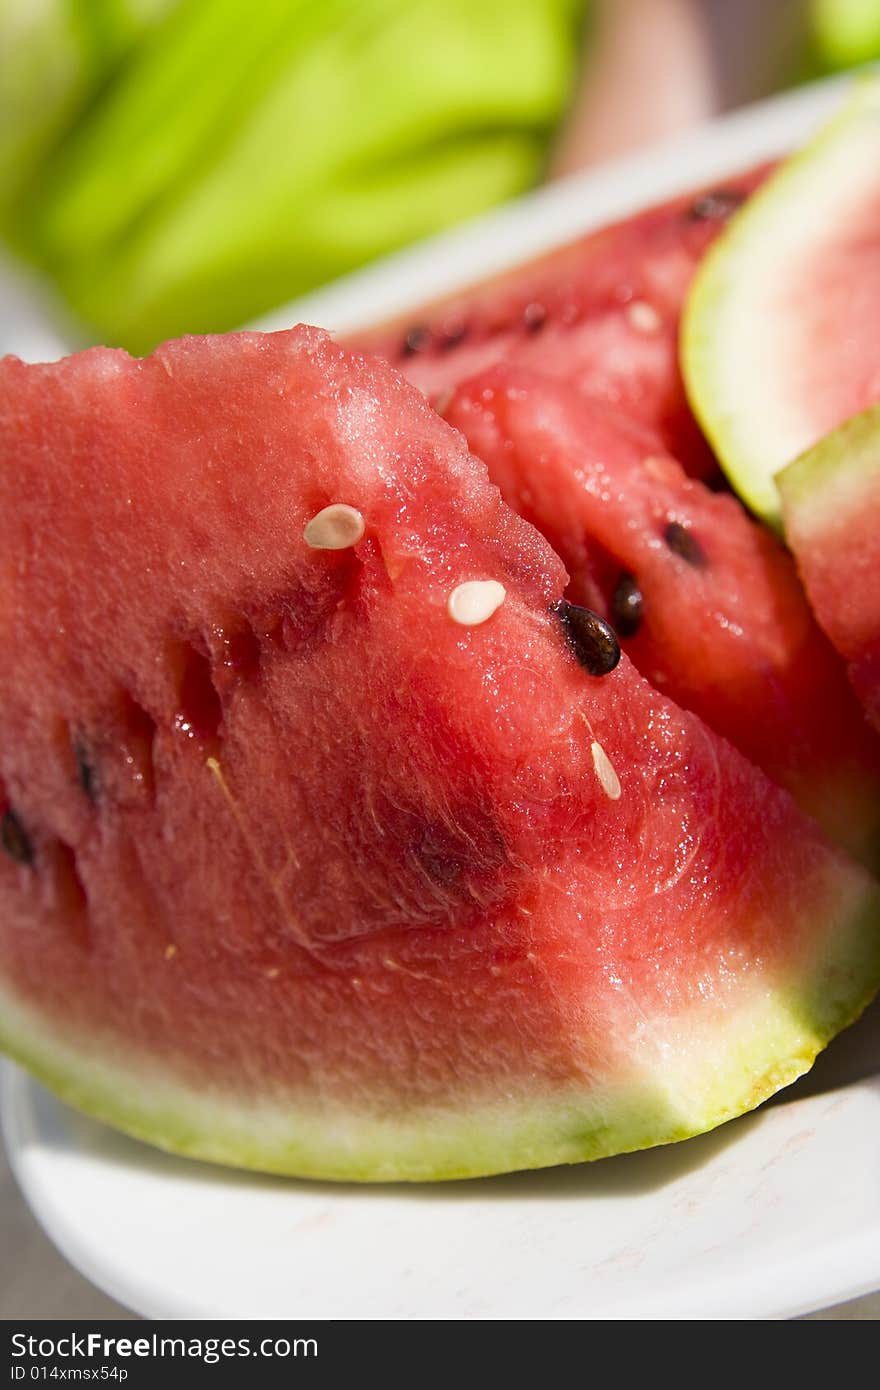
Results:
688 1075
739 337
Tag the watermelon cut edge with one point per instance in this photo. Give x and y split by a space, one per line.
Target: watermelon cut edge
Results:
751 389
830 498
764 1047
826 485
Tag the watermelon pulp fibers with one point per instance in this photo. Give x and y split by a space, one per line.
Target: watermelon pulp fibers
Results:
301 874
831 506
601 313
706 601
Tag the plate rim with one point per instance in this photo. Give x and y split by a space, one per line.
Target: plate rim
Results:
840 1272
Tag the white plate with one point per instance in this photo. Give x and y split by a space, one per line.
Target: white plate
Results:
773 1215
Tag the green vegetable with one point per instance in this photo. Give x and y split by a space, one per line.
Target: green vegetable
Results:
236 156
847 31
54 56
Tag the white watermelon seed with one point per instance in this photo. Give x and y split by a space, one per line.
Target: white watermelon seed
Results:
170 952
643 317
608 779
474 601
334 528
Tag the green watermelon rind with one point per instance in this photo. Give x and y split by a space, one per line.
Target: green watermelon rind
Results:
715 1070
827 483
742 435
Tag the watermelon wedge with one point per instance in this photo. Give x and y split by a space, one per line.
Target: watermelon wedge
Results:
706 601
779 337
831 506
322 851
601 313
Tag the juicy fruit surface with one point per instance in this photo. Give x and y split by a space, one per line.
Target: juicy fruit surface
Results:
303 875
779 335
706 601
831 506
601 313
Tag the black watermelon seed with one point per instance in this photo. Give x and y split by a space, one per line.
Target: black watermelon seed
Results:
85 772
534 317
715 206
452 339
15 840
684 543
590 639
417 339
627 606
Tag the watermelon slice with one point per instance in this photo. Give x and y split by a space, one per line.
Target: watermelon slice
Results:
830 504
779 339
323 852
601 313
706 601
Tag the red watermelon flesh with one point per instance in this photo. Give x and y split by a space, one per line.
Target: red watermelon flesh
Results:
601 313
706 601
831 508
301 874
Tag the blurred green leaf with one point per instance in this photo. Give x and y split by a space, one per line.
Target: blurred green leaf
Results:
847 31
54 55
240 153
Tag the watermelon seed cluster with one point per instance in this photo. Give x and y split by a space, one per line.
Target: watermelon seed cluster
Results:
421 338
